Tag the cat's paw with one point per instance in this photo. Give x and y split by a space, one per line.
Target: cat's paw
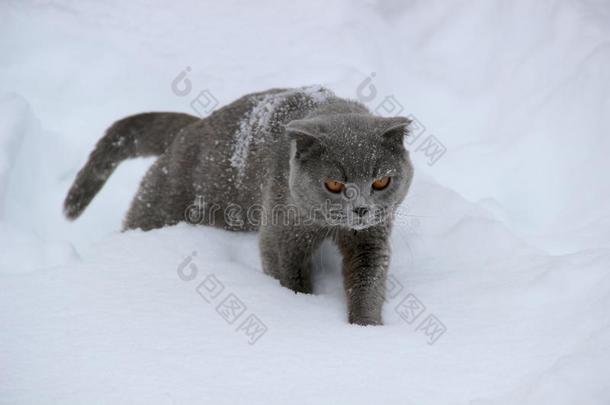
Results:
364 320
298 286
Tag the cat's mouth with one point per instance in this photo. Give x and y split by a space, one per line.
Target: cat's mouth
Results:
351 220
359 227
362 222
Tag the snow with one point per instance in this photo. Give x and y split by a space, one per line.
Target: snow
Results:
504 240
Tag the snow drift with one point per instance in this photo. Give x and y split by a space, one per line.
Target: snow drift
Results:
499 291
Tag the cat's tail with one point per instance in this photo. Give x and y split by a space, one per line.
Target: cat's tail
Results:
147 134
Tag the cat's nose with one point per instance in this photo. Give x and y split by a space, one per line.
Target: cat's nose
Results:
361 211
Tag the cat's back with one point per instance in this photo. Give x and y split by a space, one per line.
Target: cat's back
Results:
231 152
258 136
254 119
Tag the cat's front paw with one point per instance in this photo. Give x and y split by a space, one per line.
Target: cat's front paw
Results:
365 320
298 286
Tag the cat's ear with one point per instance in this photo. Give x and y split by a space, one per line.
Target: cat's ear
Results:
395 128
309 128
306 134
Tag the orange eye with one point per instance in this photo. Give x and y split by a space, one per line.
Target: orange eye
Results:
381 183
334 186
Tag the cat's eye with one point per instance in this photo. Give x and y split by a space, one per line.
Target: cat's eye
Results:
381 183
334 186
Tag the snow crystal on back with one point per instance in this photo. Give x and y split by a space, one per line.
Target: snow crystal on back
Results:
318 93
259 117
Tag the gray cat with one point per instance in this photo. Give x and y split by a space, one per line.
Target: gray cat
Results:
299 165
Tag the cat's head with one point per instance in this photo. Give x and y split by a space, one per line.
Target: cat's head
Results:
349 169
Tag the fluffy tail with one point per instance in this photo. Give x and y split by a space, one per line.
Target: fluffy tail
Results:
147 134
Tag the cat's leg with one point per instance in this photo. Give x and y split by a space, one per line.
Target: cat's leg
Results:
269 251
156 204
286 253
366 257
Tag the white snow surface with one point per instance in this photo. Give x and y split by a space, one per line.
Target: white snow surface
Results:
505 240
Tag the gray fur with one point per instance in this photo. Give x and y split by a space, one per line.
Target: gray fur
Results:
260 163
